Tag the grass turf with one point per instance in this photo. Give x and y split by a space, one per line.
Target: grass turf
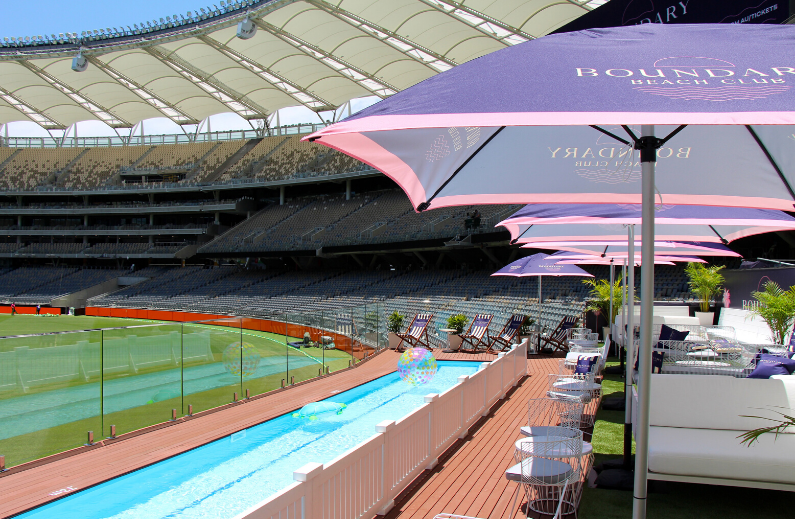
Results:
667 500
46 441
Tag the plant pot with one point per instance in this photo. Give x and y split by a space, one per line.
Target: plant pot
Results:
453 341
606 331
706 318
394 340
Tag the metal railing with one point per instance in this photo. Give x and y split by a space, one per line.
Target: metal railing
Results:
156 140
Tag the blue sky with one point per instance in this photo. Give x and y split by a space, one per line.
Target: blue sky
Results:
21 18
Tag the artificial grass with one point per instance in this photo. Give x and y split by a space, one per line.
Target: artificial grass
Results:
667 500
154 408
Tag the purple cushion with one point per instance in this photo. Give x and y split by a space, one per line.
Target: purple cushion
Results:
658 361
585 364
769 365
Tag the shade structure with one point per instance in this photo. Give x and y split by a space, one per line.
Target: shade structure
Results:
705 223
615 232
632 214
621 250
571 258
509 112
539 265
538 123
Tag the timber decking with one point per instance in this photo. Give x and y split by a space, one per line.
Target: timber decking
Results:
22 490
470 478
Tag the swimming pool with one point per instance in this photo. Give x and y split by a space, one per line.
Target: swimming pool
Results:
226 477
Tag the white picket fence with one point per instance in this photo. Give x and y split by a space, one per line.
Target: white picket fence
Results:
364 481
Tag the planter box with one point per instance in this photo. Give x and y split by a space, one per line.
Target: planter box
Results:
394 341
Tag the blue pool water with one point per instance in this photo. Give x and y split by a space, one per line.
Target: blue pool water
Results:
228 476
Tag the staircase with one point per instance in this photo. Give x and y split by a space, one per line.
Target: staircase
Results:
233 159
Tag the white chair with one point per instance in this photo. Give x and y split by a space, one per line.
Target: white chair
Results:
550 470
583 387
547 414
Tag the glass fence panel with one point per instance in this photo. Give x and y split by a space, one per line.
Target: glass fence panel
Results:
50 394
306 348
141 376
214 360
264 354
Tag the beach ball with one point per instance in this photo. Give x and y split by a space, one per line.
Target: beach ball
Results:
416 366
241 358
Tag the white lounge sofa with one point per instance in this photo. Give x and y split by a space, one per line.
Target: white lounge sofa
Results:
695 421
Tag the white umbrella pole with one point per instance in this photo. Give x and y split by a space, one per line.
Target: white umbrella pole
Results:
539 319
648 161
628 430
611 302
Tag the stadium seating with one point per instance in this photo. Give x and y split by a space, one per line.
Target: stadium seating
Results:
98 166
35 166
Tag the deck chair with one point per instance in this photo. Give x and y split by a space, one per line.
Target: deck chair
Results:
508 335
560 335
476 336
345 326
415 332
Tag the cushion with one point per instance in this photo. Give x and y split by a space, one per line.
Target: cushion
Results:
769 365
658 362
717 401
551 472
720 454
547 430
585 364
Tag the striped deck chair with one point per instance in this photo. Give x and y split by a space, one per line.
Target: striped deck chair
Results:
508 335
416 330
476 336
560 335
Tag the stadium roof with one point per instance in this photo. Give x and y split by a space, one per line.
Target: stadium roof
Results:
314 53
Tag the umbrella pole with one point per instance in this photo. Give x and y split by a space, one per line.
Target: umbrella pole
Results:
648 161
628 430
611 302
539 318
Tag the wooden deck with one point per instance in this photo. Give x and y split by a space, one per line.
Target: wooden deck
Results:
33 484
470 478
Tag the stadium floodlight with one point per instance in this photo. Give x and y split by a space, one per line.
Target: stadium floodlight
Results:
79 63
247 29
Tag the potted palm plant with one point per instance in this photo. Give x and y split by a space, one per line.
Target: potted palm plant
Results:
706 283
776 307
394 325
601 294
456 323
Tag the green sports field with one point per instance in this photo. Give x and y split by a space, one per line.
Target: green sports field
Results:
131 373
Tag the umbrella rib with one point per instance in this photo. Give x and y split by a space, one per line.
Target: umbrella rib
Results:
601 130
427 204
771 160
724 241
515 240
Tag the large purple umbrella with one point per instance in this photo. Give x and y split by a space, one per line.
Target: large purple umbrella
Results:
547 121
539 265
673 222
620 250
517 125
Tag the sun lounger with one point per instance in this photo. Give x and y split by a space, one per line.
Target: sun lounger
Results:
509 334
415 332
559 336
476 336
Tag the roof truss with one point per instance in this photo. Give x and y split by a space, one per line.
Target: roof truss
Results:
102 113
235 101
300 94
43 120
500 31
429 58
364 79
169 110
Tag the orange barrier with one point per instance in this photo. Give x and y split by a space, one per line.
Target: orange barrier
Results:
31 310
248 323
